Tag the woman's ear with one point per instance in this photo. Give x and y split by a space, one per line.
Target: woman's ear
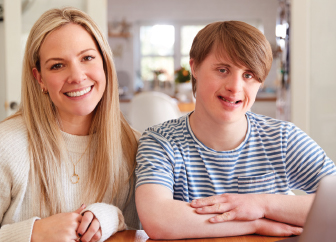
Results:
192 68
38 77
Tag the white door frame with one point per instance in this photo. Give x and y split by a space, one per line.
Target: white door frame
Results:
300 64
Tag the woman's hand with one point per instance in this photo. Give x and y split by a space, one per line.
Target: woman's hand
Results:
58 227
89 229
231 207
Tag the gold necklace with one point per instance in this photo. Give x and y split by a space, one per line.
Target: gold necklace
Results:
75 177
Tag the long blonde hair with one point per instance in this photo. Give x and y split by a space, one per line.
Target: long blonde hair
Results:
115 140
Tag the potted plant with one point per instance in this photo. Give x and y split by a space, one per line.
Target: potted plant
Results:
183 85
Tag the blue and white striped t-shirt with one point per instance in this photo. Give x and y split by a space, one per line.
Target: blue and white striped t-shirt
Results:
275 157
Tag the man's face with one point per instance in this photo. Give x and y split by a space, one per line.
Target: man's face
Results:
225 91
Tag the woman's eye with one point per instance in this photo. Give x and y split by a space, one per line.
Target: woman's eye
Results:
248 76
56 66
88 58
222 70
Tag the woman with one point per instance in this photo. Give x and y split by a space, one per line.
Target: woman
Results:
68 144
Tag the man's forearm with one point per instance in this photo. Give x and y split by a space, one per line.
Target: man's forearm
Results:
288 209
165 218
178 220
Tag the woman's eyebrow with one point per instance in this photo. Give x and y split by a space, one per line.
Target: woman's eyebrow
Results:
60 59
83 51
53 59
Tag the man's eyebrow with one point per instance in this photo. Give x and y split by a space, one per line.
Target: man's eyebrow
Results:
221 64
60 59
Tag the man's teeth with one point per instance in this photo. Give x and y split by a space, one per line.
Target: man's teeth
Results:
229 101
79 93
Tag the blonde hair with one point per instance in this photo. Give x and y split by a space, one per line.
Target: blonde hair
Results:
242 43
115 140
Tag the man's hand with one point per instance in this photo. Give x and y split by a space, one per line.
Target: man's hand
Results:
272 228
245 207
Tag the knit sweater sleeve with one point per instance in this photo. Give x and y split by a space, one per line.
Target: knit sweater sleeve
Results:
15 232
18 232
110 218
12 182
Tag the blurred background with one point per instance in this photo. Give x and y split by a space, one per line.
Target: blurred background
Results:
151 39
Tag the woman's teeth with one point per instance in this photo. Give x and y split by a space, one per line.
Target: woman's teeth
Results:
79 93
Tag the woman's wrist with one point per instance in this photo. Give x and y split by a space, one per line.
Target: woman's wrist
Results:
34 235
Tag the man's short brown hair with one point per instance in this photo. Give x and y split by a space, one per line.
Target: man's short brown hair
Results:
242 43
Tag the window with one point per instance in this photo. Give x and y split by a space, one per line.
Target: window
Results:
157 51
163 49
188 33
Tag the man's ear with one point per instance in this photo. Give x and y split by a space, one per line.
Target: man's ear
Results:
192 68
38 77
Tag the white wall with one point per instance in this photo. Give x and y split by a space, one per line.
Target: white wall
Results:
12 52
2 73
323 78
313 68
135 11
40 6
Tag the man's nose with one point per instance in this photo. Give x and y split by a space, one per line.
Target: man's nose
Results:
234 82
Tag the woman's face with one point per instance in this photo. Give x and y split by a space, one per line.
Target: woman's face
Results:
72 71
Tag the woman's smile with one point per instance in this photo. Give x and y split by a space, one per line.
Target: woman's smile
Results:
79 93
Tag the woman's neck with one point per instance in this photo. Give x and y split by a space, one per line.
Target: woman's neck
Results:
219 136
75 125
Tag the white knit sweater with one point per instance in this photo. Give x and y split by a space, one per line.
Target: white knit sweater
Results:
16 203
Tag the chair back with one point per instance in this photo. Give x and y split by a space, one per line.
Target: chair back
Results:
151 108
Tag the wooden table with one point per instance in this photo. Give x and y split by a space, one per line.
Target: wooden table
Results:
141 236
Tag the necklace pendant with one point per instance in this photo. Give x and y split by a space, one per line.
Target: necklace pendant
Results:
74 178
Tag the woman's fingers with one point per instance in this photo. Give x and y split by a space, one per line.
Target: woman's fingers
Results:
79 210
93 233
85 223
58 227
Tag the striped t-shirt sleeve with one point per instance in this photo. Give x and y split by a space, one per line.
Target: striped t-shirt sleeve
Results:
155 161
306 161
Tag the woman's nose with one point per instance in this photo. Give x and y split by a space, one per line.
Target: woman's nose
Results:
76 73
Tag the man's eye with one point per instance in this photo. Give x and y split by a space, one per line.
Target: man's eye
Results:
222 70
56 66
248 76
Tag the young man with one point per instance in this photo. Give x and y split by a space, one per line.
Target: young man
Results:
222 170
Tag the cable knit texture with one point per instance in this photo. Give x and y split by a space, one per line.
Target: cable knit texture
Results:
16 202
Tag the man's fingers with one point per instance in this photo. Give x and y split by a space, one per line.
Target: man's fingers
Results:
273 228
224 217
216 208
208 201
